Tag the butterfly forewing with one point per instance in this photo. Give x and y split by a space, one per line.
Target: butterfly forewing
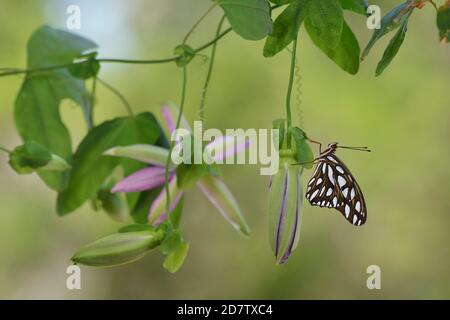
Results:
333 186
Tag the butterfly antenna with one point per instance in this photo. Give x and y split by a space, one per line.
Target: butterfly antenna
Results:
355 148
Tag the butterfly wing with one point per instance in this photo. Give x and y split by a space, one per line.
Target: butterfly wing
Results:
341 192
322 189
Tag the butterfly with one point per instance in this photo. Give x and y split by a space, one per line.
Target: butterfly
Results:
333 186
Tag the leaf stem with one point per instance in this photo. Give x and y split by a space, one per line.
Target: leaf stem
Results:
289 91
198 22
201 112
118 94
180 114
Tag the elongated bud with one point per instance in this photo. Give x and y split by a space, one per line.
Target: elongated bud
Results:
285 208
141 152
118 248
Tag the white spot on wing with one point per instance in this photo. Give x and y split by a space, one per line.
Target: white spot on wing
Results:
311 181
345 192
314 194
338 168
355 218
330 176
319 181
322 191
341 181
358 206
347 210
352 194
329 192
332 159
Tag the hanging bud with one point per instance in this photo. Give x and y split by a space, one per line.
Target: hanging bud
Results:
118 248
285 205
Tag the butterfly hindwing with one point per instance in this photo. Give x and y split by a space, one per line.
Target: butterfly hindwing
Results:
322 189
332 185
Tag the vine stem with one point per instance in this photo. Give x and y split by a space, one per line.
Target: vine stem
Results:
210 70
191 31
118 94
93 92
289 91
180 114
5 150
14 71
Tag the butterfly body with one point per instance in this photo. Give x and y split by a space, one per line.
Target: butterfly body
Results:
333 186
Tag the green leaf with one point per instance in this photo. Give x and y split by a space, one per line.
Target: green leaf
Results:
248 18
392 48
118 248
186 54
175 215
189 174
135 227
303 152
443 22
285 28
48 47
281 2
326 21
391 21
140 207
345 54
280 124
85 69
91 168
171 242
29 157
111 203
358 6
37 114
175 260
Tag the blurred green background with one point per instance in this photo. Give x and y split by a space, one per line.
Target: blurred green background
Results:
402 115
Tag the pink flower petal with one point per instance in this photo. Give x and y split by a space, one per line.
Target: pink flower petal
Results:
144 179
221 197
167 116
158 207
225 147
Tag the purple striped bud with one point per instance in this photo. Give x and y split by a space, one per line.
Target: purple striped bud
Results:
285 209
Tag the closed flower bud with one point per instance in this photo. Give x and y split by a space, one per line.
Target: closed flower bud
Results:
285 205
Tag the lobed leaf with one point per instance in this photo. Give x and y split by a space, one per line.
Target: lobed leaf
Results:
91 168
37 114
325 20
285 28
248 18
345 54
357 6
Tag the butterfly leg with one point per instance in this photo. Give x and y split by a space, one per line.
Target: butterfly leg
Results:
316 142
